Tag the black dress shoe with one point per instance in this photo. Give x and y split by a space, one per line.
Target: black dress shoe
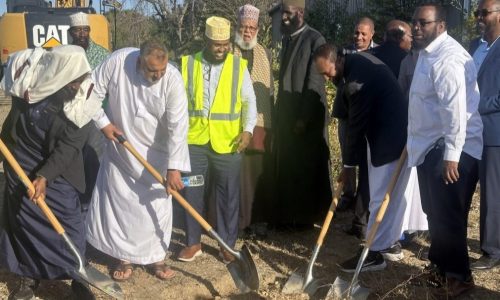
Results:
485 263
81 291
453 288
25 290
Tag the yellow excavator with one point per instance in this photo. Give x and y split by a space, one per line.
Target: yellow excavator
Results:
40 23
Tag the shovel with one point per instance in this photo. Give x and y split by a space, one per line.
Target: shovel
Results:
343 289
242 269
86 273
296 283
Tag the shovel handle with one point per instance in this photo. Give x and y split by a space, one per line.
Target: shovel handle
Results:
387 198
329 215
40 201
183 202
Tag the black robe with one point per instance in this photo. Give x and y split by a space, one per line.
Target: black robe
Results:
302 185
43 142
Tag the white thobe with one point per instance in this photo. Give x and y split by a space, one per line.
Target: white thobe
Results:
130 217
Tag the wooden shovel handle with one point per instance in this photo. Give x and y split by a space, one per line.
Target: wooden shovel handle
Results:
329 215
387 198
27 182
183 202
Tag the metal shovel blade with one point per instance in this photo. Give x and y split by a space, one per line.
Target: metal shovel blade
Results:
94 277
244 271
294 284
342 289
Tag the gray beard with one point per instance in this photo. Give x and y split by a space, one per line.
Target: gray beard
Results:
238 40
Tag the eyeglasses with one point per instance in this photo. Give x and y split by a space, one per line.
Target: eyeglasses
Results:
250 28
422 23
484 12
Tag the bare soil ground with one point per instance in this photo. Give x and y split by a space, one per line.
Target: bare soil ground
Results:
276 257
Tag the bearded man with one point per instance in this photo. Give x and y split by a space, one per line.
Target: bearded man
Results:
255 172
445 143
222 116
301 152
130 217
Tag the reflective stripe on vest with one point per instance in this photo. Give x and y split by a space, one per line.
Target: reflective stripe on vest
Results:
223 124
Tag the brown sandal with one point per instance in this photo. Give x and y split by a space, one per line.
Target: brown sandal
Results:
157 269
122 267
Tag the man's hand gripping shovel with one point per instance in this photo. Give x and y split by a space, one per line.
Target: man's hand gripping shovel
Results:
242 269
342 289
86 273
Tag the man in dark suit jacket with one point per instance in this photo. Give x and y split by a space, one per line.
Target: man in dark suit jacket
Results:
48 146
376 113
486 54
359 197
301 153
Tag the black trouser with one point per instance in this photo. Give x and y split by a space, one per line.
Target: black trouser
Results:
489 177
447 208
361 212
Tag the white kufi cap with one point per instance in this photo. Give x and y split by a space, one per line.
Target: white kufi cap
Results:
79 19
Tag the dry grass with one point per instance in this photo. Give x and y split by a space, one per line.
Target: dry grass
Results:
276 258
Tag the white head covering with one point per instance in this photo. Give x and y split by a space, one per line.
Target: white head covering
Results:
35 74
79 19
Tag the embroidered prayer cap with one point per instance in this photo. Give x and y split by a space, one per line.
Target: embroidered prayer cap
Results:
296 3
218 29
79 19
248 11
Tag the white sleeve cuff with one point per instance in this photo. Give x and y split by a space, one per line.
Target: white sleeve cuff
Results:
452 155
101 120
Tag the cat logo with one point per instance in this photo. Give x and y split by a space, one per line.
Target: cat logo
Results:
50 36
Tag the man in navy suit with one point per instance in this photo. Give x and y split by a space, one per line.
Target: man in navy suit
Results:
376 116
487 59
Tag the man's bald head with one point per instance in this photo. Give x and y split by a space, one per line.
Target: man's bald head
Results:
398 32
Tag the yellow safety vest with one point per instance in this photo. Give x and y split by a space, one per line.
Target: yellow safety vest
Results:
223 124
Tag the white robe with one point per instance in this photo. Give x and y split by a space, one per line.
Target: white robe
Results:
130 217
415 218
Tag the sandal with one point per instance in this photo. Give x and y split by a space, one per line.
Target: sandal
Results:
122 267
161 271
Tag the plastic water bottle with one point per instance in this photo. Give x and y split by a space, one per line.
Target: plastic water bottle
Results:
195 180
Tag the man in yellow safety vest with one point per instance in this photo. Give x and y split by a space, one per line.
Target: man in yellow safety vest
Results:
222 116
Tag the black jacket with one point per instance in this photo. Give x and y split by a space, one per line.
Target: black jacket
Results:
62 148
376 110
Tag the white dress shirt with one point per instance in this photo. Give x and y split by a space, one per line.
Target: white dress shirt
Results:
211 76
443 103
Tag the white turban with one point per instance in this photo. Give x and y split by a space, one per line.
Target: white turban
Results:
35 74
79 19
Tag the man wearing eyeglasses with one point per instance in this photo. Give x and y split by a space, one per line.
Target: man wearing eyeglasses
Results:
487 58
445 143
255 194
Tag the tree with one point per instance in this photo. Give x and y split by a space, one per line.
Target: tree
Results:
181 24
132 28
